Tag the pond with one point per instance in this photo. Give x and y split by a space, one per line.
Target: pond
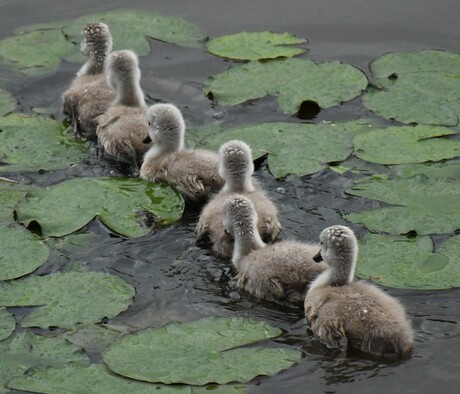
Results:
176 279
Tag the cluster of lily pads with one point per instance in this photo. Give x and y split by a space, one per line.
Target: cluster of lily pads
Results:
412 143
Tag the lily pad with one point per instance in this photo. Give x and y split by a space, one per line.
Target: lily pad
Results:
294 148
129 29
398 145
417 87
119 203
22 252
293 81
408 262
26 349
199 352
7 102
7 324
91 337
255 45
31 143
77 379
68 298
448 169
430 206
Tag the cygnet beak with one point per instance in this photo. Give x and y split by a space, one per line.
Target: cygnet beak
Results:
317 258
148 140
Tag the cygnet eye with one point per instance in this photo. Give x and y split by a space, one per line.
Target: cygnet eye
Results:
149 123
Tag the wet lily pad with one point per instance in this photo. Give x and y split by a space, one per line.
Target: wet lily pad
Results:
68 206
129 29
75 378
293 81
255 45
448 169
294 148
397 145
7 324
199 352
26 349
430 206
31 143
408 262
417 87
91 337
7 102
68 298
22 252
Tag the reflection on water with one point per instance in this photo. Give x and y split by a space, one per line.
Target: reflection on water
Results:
176 279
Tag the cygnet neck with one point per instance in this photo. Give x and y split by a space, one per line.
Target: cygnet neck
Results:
240 184
129 93
247 239
340 272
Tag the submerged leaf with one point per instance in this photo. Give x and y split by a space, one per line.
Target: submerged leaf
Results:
409 263
22 252
68 298
293 81
7 102
255 45
199 352
31 143
417 87
68 206
7 324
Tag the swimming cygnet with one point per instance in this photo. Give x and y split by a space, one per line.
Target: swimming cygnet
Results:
195 173
89 95
337 307
236 168
123 128
279 271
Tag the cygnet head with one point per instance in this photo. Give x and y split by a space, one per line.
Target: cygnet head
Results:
339 249
97 40
166 127
236 166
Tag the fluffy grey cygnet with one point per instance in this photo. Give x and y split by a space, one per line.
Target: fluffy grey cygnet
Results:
236 168
279 271
123 128
337 307
195 173
89 95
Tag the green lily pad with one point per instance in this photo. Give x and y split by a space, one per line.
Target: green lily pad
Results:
92 337
448 169
397 145
255 45
199 352
26 349
7 102
417 87
430 206
8 200
129 29
409 263
22 252
119 203
68 298
293 81
36 51
31 143
77 379
294 148
7 324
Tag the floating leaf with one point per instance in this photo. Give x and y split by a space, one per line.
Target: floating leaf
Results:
129 29
31 143
68 298
417 87
199 352
7 102
26 349
293 81
36 51
91 337
255 45
397 145
448 169
77 379
409 263
294 148
8 200
7 324
68 206
22 252
430 206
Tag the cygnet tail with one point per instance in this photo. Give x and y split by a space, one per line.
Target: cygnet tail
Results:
388 346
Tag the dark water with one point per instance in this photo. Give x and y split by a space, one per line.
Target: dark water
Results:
177 280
